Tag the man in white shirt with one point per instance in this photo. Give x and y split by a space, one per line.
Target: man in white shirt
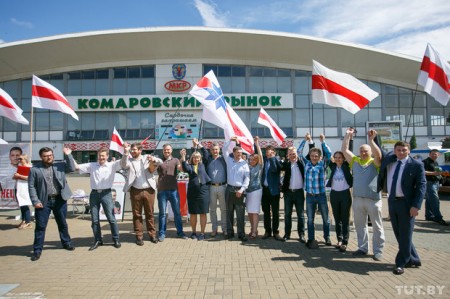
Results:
102 175
142 186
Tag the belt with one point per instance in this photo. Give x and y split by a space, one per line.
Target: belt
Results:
217 184
294 190
100 190
312 194
53 197
398 198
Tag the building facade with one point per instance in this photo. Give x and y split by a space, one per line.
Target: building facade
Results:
138 81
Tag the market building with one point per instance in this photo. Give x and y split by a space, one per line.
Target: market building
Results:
138 80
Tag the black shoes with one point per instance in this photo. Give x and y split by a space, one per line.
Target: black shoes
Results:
35 256
398 271
312 244
328 242
117 244
278 237
266 235
139 242
413 265
69 247
243 238
286 237
95 245
302 239
229 236
154 240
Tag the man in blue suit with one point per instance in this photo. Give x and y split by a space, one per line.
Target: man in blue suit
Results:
271 194
404 179
49 192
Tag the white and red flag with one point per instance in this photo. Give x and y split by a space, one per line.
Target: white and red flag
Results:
9 108
434 75
3 141
217 111
339 89
116 142
276 132
46 96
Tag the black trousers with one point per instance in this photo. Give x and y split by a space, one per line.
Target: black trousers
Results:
271 209
341 201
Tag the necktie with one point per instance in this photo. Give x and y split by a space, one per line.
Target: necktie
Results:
394 181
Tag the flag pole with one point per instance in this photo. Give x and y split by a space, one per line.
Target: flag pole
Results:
199 132
31 132
412 113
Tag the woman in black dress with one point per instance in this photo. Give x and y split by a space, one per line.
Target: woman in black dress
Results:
198 192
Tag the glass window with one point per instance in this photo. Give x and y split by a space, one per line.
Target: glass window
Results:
88 75
284 84
302 101
209 67
238 71
26 88
420 100
270 72
256 84
134 72
238 85
57 123
406 100
73 124
12 88
102 74
134 86
148 119
41 121
284 118
347 119
375 86
9 125
256 71
133 120
120 86
391 101
302 118
375 114
437 117
270 84
148 72
225 84
120 73
26 104
302 85
224 71
389 89
102 87
88 87
74 75
148 86
375 102
102 120
330 119
87 120
74 87
284 73
361 117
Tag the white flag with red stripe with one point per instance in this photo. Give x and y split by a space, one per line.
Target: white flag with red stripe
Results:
217 111
46 96
339 89
9 108
116 142
276 132
3 141
434 76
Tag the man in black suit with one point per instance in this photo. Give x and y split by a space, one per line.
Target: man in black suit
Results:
405 180
49 192
270 202
294 195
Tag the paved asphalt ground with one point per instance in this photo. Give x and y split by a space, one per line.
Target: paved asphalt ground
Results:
215 268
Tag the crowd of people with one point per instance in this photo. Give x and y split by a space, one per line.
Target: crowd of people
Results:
234 184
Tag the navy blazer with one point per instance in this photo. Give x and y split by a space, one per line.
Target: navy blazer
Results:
287 173
194 177
36 180
273 176
413 182
347 173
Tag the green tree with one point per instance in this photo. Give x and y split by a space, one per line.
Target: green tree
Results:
413 142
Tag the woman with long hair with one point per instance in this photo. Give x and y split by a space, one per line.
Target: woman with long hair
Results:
254 190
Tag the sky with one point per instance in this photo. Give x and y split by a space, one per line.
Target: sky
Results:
401 26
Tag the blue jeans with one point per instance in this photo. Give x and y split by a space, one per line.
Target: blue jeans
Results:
432 205
297 199
103 198
25 212
59 208
312 203
174 199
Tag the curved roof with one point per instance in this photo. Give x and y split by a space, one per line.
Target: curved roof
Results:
99 49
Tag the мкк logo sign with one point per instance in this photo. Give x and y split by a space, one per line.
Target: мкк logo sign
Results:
178 85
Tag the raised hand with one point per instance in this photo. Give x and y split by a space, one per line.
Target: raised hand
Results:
67 151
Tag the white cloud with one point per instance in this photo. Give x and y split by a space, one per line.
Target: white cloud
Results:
27 25
402 26
210 14
2 41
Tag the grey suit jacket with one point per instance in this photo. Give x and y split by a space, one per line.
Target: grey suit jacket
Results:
130 164
36 181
